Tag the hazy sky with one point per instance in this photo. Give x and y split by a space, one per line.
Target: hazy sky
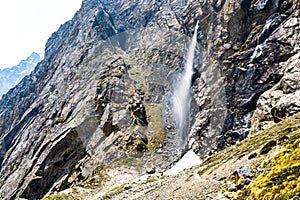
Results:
27 24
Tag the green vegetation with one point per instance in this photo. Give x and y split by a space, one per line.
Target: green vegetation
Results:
282 180
151 179
275 173
58 196
116 191
283 133
156 128
96 182
64 196
130 162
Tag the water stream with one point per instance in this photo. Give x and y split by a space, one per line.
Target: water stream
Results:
181 94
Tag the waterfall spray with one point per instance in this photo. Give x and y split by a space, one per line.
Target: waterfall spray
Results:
181 93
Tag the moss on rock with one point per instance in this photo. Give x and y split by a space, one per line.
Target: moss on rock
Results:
282 181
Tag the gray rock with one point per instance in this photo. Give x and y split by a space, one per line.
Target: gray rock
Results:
227 46
150 170
109 71
280 101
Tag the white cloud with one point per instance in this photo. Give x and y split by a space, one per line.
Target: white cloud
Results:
26 26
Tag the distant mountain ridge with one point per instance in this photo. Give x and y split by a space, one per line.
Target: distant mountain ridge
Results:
9 77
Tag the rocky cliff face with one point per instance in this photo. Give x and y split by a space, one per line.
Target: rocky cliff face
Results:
10 77
100 98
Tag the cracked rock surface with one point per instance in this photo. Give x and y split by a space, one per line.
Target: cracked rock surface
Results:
100 98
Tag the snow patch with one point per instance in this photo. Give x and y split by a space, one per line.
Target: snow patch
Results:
23 72
189 160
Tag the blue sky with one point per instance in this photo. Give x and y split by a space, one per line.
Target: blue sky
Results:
27 24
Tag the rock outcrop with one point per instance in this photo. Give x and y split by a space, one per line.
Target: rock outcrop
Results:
282 100
100 98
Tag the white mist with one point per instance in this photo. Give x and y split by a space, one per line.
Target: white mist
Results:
181 94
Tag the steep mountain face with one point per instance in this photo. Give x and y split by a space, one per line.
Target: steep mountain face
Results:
9 77
101 96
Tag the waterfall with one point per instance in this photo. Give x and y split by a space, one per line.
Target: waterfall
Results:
181 93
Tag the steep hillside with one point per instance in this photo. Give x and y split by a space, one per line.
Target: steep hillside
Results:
263 166
100 99
10 77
